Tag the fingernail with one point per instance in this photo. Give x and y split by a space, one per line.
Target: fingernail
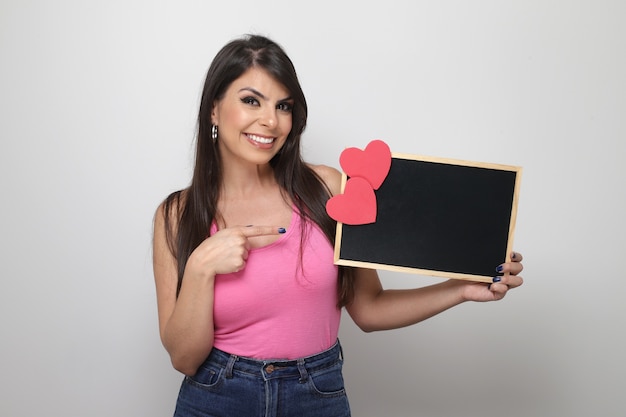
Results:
499 268
281 230
513 255
497 279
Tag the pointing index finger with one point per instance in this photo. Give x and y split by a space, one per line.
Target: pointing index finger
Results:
252 231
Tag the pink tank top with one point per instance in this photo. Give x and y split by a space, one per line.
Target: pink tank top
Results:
280 306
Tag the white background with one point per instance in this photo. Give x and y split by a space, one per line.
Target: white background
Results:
98 101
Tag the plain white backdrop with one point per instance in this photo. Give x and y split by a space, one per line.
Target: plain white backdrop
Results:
98 101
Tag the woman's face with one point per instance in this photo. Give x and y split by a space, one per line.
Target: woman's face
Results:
253 118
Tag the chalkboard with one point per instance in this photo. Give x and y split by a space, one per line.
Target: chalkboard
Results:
438 217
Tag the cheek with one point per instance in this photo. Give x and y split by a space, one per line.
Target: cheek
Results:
287 125
233 119
230 116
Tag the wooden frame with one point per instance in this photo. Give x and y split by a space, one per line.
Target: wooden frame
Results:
436 216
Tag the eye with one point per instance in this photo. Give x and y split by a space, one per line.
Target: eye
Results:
285 106
250 100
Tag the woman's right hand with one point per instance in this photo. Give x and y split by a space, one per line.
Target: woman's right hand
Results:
226 251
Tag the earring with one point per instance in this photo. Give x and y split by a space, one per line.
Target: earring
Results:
214 133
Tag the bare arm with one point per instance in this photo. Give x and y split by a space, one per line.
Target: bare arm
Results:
375 308
186 323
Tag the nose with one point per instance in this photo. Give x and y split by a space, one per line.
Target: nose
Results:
269 118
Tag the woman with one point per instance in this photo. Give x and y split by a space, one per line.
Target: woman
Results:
249 299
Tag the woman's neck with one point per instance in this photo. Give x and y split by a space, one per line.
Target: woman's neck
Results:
242 181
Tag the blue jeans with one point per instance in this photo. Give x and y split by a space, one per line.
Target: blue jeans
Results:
230 386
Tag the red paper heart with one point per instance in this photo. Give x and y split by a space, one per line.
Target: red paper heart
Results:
373 163
357 204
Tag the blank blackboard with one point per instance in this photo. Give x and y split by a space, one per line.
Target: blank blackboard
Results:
438 217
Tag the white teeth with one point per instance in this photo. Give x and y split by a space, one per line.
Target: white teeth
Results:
261 139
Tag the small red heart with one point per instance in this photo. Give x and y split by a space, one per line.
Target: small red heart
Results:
357 204
373 163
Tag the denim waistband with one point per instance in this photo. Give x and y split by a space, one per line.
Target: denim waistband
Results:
271 368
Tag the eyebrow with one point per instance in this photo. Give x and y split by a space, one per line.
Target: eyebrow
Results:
258 93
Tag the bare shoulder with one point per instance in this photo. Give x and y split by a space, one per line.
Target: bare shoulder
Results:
165 228
167 212
330 176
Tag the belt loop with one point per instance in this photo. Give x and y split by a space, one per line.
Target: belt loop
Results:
340 351
303 373
230 365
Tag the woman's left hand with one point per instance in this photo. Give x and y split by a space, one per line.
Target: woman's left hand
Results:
508 279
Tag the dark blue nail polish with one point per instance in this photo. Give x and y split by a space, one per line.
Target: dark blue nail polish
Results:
499 268
281 230
497 279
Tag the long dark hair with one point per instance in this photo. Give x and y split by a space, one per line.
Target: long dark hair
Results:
195 208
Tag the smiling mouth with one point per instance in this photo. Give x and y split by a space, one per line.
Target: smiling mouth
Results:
260 139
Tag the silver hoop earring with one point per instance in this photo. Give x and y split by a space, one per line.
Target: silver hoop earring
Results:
214 133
